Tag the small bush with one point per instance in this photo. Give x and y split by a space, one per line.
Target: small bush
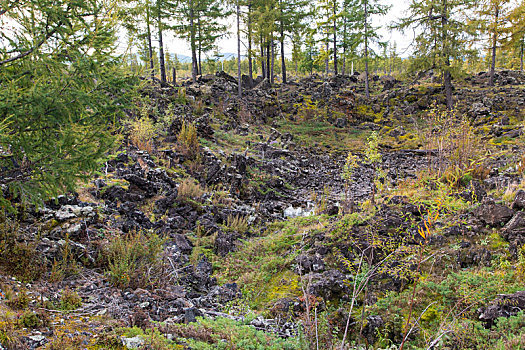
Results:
70 300
188 141
188 189
67 266
20 301
135 261
28 264
29 320
142 133
237 223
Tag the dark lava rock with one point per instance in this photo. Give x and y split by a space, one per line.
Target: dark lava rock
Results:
190 314
328 285
514 230
474 192
341 123
225 243
370 331
519 201
495 215
309 263
504 305
182 243
473 257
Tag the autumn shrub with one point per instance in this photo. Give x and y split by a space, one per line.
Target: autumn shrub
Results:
136 260
9 338
66 266
237 223
142 132
189 189
453 139
70 300
20 301
28 265
188 141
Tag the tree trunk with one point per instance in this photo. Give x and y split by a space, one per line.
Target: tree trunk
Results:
150 46
199 48
239 77
194 67
162 64
335 38
494 44
344 44
521 53
283 62
268 74
273 63
327 68
174 72
250 65
367 87
263 64
447 76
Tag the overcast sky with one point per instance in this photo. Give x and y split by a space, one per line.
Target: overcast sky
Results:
229 44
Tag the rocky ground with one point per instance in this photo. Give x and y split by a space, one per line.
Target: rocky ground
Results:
253 228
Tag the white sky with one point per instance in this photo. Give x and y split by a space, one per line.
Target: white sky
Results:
229 44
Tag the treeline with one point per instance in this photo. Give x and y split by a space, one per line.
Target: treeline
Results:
325 35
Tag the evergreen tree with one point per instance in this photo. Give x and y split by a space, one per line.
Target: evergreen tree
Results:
291 16
136 19
492 19
60 93
358 13
443 33
516 31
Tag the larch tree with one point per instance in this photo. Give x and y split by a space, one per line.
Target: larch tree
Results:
515 32
492 18
136 18
61 92
443 34
360 12
291 16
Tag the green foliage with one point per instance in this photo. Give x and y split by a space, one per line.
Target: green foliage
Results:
70 300
188 141
29 319
28 264
62 91
223 333
135 260
20 301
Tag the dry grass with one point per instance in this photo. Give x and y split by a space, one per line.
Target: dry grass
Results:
142 133
237 223
188 189
187 140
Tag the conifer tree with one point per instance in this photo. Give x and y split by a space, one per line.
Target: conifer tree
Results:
443 33
60 93
492 18
358 14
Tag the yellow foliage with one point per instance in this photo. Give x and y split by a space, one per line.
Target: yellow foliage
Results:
187 139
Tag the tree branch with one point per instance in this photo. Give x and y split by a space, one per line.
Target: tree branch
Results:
31 50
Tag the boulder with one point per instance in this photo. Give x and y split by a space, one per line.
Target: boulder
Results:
514 230
519 201
505 305
495 215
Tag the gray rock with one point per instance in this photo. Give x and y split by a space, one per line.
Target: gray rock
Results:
519 201
132 343
493 214
514 230
504 305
